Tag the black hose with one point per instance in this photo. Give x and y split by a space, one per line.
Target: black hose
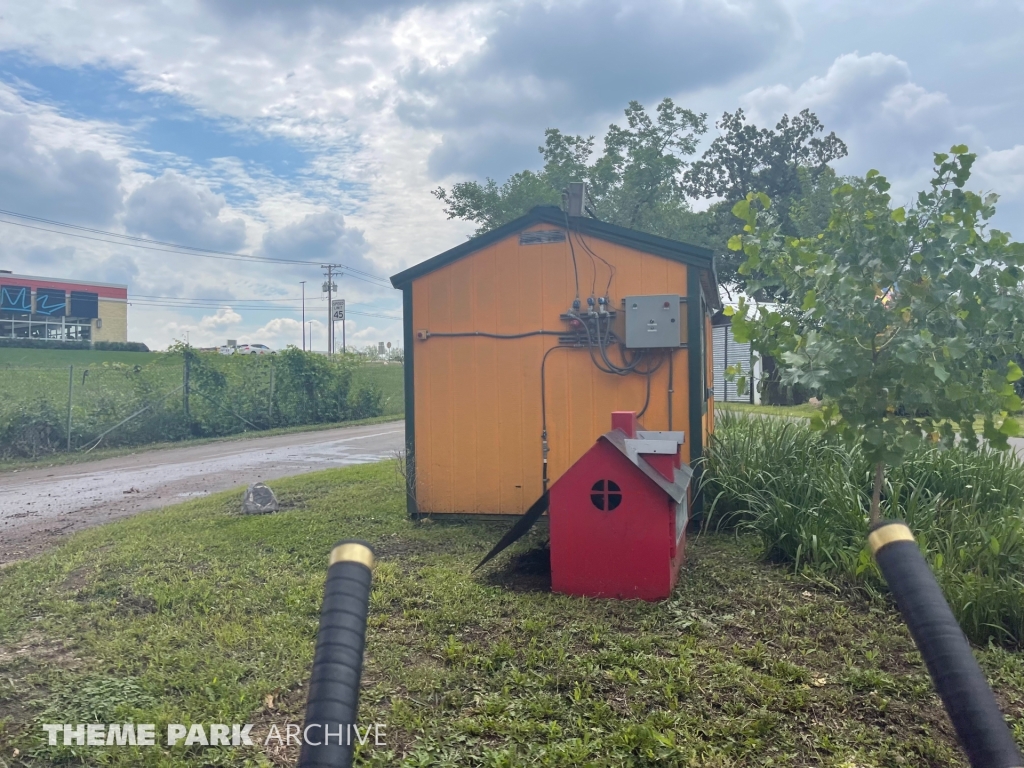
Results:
671 371
960 683
647 399
333 703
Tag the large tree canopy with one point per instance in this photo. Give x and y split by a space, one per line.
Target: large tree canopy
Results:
644 179
906 320
636 182
790 164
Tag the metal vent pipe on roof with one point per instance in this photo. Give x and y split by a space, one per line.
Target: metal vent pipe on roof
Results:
577 198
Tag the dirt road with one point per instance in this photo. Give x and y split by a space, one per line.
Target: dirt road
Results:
38 506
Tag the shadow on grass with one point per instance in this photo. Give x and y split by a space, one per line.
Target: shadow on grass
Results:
528 571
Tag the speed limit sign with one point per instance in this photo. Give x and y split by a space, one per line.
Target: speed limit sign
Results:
338 309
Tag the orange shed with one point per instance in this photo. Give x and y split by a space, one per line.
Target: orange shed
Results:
519 343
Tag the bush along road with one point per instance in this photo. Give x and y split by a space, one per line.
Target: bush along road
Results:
183 394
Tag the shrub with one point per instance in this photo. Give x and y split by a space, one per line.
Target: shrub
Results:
807 497
109 346
367 402
121 346
44 344
228 394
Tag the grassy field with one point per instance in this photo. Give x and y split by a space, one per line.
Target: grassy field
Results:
195 614
804 411
230 395
55 358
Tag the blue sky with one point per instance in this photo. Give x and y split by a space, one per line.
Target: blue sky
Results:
313 131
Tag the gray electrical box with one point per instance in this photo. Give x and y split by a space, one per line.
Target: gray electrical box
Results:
652 322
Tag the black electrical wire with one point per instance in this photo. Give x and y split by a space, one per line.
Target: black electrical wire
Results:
544 415
647 399
575 271
150 245
590 345
611 268
629 366
593 263
499 335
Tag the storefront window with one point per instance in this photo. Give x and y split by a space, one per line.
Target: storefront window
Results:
23 326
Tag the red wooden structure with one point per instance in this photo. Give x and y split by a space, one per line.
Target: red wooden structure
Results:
618 515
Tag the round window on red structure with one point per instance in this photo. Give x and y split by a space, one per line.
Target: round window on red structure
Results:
606 495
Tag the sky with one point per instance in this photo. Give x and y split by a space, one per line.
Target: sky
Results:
307 132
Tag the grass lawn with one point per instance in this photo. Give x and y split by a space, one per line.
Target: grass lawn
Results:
194 614
54 358
806 411
803 411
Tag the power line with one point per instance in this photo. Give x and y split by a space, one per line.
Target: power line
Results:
232 299
241 307
151 245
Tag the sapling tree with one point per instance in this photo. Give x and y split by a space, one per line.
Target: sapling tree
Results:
907 320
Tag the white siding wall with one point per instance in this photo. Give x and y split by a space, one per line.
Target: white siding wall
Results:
728 352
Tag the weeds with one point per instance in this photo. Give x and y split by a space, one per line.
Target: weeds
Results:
194 614
230 394
806 496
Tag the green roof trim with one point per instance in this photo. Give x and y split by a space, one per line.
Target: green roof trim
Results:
631 238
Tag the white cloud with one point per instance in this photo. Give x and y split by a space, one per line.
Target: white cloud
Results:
317 237
872 103
174 209
65 183
223 317
1002 171
383 97
284 331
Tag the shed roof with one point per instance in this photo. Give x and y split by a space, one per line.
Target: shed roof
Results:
631 238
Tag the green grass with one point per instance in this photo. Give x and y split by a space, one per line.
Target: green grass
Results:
54 358
195 614
34 399
804 411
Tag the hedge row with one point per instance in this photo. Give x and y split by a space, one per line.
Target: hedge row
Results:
108 346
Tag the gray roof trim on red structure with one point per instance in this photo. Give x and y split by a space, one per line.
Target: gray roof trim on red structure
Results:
683 474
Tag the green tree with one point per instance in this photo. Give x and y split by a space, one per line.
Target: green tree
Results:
636 182
906 320
790 164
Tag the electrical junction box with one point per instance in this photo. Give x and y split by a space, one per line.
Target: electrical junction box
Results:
652 322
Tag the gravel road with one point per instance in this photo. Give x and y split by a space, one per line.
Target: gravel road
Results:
39 506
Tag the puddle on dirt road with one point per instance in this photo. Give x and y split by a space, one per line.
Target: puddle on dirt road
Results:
155 484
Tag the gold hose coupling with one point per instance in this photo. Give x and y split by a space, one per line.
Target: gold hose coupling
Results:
887 534
351 552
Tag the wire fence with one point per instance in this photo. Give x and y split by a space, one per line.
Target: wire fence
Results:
180 395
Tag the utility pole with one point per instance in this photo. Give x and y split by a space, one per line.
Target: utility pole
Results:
330 287
304 316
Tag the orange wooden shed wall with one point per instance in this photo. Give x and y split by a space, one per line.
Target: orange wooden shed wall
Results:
477 401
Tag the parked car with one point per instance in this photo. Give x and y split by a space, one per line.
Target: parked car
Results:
226 350
253 349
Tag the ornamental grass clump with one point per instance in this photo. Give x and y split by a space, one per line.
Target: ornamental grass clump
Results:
807 496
